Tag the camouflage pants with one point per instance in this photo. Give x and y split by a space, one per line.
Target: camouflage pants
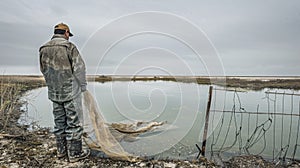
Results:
67 117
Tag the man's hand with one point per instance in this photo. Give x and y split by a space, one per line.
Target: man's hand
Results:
83 88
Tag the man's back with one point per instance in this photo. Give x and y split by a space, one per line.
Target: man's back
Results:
56 66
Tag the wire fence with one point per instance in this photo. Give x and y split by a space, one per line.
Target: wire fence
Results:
269 127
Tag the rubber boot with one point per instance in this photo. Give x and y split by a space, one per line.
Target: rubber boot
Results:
61 144
75 152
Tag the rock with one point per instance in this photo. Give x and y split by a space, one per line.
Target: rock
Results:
170 165
52 149
142 164
14 165
4 142
46 146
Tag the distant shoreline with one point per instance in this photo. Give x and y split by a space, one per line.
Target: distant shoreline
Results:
179 76
247 82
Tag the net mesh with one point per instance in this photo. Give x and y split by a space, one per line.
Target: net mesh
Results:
105 137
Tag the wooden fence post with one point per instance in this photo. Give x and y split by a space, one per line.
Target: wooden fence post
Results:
206 121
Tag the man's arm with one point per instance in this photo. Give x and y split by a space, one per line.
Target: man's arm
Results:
40 60
78 67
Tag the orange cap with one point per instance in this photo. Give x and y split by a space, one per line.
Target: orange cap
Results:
62 26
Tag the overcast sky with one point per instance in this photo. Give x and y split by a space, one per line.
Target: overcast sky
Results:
175 37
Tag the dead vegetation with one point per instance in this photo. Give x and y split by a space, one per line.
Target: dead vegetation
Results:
11 90
17 143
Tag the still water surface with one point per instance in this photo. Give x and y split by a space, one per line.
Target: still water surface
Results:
183 106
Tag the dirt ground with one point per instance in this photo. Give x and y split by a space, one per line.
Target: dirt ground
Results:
22 148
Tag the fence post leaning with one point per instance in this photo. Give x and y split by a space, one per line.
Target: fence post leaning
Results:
206 121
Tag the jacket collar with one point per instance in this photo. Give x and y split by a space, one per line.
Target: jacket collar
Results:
58 36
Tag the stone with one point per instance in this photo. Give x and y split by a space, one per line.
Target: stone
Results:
169 165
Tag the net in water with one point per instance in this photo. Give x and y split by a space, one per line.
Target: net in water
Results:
105 137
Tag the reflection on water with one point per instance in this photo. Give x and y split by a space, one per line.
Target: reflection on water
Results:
183 106
38 107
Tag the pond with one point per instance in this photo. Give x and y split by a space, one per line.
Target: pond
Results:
238 128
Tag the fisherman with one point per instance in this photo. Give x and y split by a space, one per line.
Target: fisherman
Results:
65 74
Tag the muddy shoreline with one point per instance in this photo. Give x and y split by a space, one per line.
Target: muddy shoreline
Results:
22 148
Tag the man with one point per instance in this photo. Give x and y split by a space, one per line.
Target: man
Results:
64 71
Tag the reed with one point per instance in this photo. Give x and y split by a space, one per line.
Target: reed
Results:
9 96
12 88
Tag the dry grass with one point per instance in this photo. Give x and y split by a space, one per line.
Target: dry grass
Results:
11 90
8 101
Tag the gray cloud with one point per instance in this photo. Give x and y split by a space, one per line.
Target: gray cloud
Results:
252 37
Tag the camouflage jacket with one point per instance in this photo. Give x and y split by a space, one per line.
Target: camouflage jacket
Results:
63 69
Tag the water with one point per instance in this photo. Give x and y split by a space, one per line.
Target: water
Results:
183 106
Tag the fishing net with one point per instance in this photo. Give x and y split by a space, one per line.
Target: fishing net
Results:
105 137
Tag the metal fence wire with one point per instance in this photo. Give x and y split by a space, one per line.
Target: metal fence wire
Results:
240 127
